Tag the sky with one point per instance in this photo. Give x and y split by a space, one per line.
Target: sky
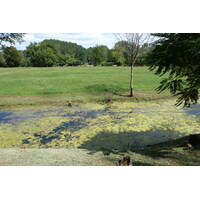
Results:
85 39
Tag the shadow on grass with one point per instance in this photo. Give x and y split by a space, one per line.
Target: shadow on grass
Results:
172 147
175 149
123 141
138 163
103 88
120 94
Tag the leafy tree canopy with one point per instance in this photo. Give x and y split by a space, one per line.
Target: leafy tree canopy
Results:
2 60
99 54
41 55
68 48
12 57
118 57
11 38
178 56
122 47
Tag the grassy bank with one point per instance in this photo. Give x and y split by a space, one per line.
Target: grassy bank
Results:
57 85
10 102
73 80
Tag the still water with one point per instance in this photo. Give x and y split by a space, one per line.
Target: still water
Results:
97 126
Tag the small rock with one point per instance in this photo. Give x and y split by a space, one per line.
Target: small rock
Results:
69 104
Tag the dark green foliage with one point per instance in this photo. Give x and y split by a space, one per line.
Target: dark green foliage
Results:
30 53
61 47
12 57
80 55
67 48
24 62
123 47
89 56
67 60
99 54
11 38
62 59
71 60
45 57
53 52
178 55
118 55
2 60
41 55
144 50
121 55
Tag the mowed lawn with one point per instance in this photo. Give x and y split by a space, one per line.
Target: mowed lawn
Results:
73 80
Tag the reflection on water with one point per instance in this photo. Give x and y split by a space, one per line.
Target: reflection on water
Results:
4 116
193 110
95 126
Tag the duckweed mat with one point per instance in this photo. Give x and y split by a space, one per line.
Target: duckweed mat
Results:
112 126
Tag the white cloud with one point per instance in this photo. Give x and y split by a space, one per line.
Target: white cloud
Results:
84 39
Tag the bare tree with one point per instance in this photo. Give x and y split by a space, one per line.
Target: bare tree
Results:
134 42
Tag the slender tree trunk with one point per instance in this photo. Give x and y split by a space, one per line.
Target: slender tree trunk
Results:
131 82
134 56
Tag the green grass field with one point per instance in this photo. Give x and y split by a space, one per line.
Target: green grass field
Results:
73 80
57 85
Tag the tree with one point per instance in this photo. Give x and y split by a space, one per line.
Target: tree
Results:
118 55
23 58
30 53
99 54
143 53
123 47
177 55
68 48
89 56
12 56
2 60
44 57
71 60
133 41
11 38
80 55
62 59
41 55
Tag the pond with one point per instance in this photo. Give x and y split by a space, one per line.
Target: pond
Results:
97 126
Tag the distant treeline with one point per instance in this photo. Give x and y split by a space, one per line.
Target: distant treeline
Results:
60 53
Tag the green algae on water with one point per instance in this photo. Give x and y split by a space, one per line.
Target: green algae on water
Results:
96 126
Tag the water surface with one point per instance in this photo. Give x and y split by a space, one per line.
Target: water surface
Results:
96 126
